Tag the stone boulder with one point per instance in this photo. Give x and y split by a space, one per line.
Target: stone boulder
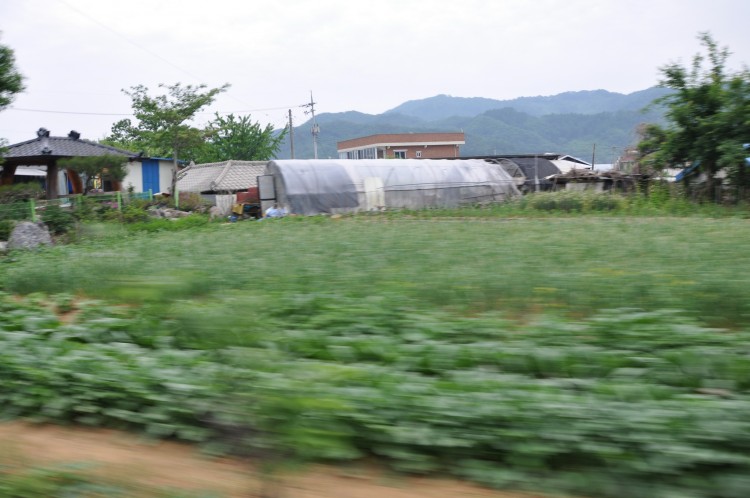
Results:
214 212
167 213
28 235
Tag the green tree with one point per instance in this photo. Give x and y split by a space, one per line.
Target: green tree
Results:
108 166
163 121
11 83
239 138
123 135
707 116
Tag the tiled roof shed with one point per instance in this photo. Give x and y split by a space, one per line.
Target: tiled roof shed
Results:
226 176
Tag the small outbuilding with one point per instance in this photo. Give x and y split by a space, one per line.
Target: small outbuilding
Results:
222 177
309 187
223 184
43 153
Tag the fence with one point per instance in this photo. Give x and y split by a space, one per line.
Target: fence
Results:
30 209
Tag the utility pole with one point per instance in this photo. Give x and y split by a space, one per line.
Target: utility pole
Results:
315 127
291 134
593 158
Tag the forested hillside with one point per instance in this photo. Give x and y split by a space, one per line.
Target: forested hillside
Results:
571 123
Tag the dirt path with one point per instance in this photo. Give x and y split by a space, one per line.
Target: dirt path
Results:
124 458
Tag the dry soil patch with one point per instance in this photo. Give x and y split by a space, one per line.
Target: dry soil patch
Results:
125 458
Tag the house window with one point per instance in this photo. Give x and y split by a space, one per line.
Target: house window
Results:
399 154
419 154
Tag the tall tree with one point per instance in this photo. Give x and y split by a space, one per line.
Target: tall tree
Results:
11 83
707 116
239 138
163 126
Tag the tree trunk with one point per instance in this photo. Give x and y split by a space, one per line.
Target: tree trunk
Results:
52 190
710 188
173 190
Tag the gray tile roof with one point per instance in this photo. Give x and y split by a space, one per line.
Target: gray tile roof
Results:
225 176
61 147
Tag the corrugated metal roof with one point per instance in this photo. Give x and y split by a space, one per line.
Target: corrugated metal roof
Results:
538 167
220 177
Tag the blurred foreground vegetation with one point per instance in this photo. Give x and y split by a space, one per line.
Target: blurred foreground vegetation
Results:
589 355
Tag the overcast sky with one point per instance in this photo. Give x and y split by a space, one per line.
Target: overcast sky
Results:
78 55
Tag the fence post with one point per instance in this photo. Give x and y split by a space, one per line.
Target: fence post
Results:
176 198
32 204
150 195
119 200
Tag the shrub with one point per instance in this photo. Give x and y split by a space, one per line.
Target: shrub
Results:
572 201
163 224
543 202
6 227
13 200
15 211
88 208
605 202
558 201
191 201
19 192
133 213
58 220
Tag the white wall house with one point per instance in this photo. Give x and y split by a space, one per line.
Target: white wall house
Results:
147 173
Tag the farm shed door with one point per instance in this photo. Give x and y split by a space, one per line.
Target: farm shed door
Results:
150 169
374 193
266 188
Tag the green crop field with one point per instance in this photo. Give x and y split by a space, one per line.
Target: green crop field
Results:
572 265
594 356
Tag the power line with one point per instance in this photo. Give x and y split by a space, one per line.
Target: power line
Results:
67 112
49 111
141 47
137 45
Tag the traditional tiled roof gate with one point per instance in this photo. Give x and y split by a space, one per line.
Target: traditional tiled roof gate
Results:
226 176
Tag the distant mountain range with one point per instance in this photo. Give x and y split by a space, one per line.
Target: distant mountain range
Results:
569 123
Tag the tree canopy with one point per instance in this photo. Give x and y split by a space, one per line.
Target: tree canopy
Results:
237 137
163 121
11 81
708 118
163 128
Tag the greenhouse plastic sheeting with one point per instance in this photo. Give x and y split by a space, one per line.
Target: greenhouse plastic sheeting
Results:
351 185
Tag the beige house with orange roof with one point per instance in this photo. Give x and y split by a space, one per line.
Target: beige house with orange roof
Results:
402 146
